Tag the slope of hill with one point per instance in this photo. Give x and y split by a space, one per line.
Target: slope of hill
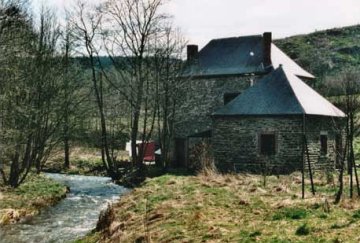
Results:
324 53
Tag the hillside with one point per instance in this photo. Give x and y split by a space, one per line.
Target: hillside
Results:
324 53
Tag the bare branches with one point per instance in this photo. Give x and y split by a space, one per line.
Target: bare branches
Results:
131 29
347 87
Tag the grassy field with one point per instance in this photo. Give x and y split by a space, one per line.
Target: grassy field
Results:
27 200
232 208
83 161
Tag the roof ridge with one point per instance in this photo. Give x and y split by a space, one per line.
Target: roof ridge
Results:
234 37
301 82
280 93
275 49
291 88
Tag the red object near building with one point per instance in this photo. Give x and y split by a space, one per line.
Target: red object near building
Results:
149 153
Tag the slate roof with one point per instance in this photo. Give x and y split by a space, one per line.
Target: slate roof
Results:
278 57
279 93
239 55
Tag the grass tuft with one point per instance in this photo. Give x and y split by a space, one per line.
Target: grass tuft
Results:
290 213
302 230
356 214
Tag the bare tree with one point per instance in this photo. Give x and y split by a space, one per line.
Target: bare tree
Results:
168 66
347 87
85 21
73 91
29 96
132 28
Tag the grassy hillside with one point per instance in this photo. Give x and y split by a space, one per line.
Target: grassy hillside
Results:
231 208
324 53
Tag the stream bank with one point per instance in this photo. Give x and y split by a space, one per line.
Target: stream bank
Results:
73 217
22 203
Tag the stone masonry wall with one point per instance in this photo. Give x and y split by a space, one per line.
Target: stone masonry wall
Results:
236 143
201 98
315 125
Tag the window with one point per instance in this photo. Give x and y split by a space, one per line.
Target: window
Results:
229 97
267 144
323 144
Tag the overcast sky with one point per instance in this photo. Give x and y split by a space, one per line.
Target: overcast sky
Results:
203 20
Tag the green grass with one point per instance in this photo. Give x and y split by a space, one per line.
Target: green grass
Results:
303 230
290 214
231 208
37 192
356 214
324 53
83 161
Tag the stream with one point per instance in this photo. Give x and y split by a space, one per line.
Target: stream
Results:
71 218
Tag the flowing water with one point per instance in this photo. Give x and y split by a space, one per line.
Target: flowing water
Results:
73 217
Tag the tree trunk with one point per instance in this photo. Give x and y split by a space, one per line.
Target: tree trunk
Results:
66 152
15 170
108 163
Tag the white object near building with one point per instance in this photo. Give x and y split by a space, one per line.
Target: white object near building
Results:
128 147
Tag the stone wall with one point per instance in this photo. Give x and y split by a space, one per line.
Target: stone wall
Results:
236 143
315 125
201 98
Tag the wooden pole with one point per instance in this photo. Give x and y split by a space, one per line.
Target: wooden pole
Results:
303 161
306 150
309 165
303 171
350 164
356 178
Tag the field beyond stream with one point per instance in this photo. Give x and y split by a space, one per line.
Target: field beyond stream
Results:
231 208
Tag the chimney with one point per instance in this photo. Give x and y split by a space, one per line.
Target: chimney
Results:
192 53
267 40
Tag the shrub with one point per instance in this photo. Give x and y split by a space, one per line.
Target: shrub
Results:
290 213
356 214
201 159
303 230
255 234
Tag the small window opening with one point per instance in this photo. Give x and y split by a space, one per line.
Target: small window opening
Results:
267 144
229 97
323 144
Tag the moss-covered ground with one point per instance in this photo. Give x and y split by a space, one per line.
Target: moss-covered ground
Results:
232 208
29 198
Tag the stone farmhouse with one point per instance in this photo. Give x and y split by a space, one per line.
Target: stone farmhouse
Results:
253 104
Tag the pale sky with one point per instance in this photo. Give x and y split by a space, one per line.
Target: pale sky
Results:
203 20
